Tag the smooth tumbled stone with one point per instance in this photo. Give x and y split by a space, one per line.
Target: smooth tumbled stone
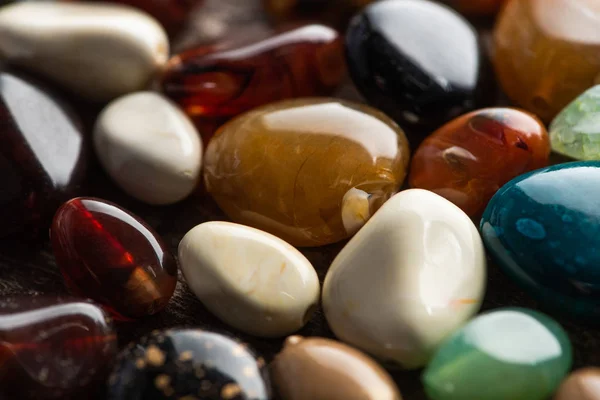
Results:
470 158
306 61
43 155
416 74
99 51
543 229
407 280
583 384
511 353
52 347
250 279
323 369
575 132
109 255
189 364
311 171
149 147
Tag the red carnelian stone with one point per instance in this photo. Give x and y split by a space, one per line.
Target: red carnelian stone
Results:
470 158
111 256
53 348
307 61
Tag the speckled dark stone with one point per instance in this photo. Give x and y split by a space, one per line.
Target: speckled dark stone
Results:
189 364
543 229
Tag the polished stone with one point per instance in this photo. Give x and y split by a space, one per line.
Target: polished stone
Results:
189 364
99 51
575 132
310 171
547 52
306 61
43 155
250 279
149 147
471 157
419 75
407 280
109 255
477 7
510 353
583 384
53 348
323 369
543 230
336 13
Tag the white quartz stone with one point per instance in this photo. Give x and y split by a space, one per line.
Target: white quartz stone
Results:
250 279
149 147
410 277
100 51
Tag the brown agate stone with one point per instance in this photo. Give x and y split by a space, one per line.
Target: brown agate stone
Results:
323 369
583 384
336 13
470 158
52 348
311 171
307 61
111 256
547 52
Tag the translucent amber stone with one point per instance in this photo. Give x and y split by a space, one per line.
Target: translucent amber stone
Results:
547 52
470 158
307 61
52 348
311 171
111 256
332 12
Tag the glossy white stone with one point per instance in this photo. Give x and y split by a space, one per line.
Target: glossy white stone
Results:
149 147
248 278
99 51
409 278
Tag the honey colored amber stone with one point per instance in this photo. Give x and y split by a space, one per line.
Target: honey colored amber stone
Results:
311 171
109 255
307 61
336 13
470 158
477 7
547 52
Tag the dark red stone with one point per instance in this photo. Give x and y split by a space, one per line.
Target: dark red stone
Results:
42 155
52 348
307 61
111 256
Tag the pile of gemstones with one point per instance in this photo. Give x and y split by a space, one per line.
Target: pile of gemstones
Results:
419 185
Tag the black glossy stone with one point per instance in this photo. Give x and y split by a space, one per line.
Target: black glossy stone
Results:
42 155
189 364
418 61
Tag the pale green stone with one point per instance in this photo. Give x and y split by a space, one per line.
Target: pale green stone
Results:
508 354
575 132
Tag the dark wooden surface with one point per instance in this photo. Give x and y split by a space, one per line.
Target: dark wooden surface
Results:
30 269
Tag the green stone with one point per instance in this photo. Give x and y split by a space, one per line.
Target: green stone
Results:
508 354
575 132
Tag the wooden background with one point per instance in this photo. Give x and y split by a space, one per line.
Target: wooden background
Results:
30 269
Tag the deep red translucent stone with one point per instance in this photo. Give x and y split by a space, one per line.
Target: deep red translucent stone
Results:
52 348
307 61
111 256
42 155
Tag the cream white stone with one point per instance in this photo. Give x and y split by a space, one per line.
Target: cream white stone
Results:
149 147
100 51
248 278
410 277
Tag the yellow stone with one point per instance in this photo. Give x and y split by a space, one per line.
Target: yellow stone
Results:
311 171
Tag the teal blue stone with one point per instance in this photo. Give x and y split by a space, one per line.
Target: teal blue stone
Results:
543 230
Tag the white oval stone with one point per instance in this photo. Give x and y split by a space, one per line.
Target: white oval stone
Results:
99 51
149 147
248 278
409 278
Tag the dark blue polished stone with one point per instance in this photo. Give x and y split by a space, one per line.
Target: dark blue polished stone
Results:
543 229
418 61
189 364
